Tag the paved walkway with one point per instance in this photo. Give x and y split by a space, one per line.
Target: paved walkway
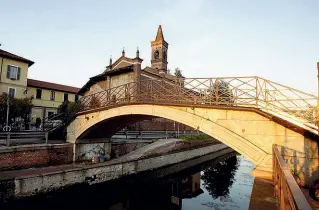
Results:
262 196
151 148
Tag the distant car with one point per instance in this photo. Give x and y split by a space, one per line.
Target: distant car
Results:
314 190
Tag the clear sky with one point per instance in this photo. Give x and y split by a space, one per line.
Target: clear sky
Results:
71 41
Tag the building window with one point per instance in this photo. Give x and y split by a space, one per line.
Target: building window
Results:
52 96
12 92
66 97
13 72
38 94
76 98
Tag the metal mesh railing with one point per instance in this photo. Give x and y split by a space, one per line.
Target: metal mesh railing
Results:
253 92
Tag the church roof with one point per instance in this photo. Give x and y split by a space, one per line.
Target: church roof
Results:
100 77
122 62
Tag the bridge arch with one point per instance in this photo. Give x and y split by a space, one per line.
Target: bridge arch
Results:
246 131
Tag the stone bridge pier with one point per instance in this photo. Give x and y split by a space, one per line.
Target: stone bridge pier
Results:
249 131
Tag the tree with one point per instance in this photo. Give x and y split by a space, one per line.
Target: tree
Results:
19 109
221 93
69 109
219 178
178 72
66 106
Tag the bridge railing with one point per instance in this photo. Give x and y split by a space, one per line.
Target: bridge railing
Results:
287 190
254 92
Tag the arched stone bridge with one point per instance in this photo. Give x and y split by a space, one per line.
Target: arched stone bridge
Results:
249 114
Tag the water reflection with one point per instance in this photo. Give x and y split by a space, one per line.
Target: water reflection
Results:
219 178
184 190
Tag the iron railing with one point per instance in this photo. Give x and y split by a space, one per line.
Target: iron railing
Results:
23 137
151 134
253 92
287 190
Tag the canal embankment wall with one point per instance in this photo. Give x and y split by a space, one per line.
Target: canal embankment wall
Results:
28 183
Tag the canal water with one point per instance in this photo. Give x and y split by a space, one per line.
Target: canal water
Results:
220 185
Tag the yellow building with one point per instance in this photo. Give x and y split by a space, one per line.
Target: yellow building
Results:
13 74
47 97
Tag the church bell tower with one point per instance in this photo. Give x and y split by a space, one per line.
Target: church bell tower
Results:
159 52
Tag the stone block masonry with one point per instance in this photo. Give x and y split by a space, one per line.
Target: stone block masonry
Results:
27 156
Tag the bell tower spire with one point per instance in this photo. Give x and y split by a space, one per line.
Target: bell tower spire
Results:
159 35
159 52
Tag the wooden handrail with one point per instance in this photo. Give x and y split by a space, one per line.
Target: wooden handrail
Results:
287 190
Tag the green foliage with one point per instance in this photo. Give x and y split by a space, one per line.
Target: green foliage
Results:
178 72
69 109
66 106
19 108
221 92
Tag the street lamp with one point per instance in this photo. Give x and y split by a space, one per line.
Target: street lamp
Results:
8 106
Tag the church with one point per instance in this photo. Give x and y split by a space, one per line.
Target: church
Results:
125 70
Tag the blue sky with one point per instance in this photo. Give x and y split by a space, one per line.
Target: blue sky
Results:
71 41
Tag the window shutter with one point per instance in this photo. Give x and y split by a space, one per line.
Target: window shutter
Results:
8 72
19 72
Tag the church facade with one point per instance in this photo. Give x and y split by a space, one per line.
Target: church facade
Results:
125 70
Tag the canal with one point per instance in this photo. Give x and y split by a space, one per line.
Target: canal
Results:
218 184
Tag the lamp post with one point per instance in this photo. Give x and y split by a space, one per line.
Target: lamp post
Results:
7 119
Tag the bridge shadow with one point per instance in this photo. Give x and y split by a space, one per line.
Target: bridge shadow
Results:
303 166
107 128
98 138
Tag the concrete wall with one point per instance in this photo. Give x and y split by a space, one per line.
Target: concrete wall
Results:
21 84
19 186
87 151
35 156
246 131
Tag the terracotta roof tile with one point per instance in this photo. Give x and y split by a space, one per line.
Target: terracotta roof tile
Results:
6 54
52 86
